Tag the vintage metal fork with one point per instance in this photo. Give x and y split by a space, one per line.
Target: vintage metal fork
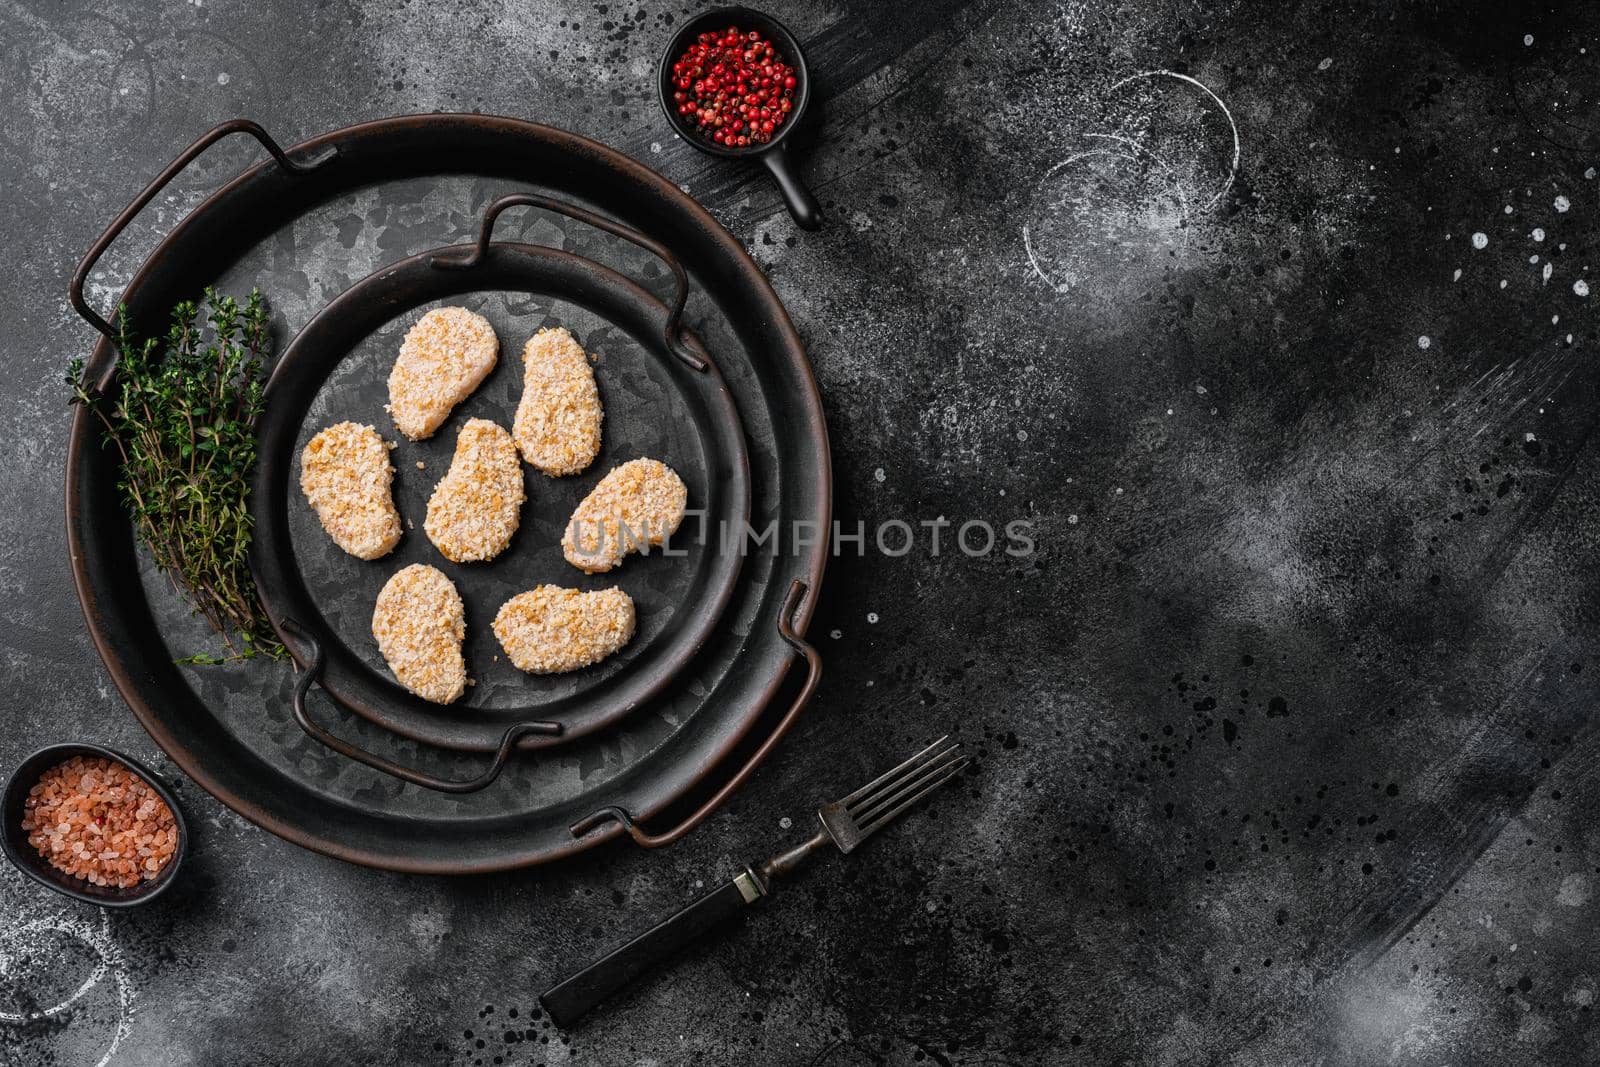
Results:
845 823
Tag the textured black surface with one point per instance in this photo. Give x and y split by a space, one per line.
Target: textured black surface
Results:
1283 733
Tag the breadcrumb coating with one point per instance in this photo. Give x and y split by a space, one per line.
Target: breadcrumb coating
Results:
347 478
558 418
443 358
637 505
419 623
551 630
477 505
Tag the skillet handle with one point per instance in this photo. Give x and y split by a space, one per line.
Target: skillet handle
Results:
313 671
674 326
187 156
813 675
796 197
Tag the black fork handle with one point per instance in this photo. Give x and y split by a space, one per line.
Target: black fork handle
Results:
160 182
573 997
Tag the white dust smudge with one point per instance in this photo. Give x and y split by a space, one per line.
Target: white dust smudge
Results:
32 939
1562 204
1580 287
1424 342
1575 891
1480 240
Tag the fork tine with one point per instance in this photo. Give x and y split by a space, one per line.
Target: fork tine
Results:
895 812
892 775
892 793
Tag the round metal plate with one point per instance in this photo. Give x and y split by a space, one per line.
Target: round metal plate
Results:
656 406
393 188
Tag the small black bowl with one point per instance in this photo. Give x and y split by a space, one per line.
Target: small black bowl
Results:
15 844
774 155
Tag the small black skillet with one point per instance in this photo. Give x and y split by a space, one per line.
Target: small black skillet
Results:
774 155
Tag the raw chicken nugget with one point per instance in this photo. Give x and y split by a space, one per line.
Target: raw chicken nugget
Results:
419 623
550 630
477 505
346 476
444 357
638 504
558 419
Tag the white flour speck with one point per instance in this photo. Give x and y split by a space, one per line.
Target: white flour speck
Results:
1549 269
1575 891
836 634
1072 520
1580 287
223 78
1538 233
1424 341
879 475
1326 63
1456 277
872 617
1527 41
1480 240
1589 174
785 822
1562 203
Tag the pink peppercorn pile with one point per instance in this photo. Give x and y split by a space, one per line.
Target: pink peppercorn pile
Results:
734 87
96 820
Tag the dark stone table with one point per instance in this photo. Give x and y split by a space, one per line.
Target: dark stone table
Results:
1272 320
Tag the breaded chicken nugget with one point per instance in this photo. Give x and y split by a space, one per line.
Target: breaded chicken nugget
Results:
558 419
637 505
550 630
346 476
477 505
444 357
420 622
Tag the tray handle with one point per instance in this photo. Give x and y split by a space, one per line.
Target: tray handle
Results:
813 660
187 156
673 330
313 672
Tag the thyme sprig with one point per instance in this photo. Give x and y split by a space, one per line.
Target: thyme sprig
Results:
182 417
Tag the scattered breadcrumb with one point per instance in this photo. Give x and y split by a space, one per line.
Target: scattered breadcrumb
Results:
443 358
96 820
346 476
419 623
550 630
558 419
477 505
637 505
